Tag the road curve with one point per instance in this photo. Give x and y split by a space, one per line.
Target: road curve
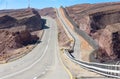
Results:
57 70
43 59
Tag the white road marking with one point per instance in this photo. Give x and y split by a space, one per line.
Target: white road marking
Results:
43 72
35 78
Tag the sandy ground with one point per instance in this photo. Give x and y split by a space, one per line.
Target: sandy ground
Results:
85 49
18 53
64 40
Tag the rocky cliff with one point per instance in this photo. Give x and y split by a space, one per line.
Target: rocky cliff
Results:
16 27
50 11
13 40
21 19
101 22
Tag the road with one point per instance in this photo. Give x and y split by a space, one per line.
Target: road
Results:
43 62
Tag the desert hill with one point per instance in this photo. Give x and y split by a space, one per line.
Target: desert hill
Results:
16 30
102 22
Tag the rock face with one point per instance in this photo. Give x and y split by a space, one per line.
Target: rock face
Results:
102 19
16 27
102 22
7 21
25 18
48 12
109 42
14 40
24 37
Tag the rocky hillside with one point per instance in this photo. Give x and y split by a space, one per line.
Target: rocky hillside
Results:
13 40
16 27
21 19
48 12
102 22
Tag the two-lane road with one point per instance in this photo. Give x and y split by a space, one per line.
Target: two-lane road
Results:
43 62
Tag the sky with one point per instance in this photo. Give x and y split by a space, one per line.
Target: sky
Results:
16 4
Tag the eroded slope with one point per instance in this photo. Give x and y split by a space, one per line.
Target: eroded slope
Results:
18 29
100 21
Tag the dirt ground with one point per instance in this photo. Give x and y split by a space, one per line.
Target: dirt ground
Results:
85 49
62 35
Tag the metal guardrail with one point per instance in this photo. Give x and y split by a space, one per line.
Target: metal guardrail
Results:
103 69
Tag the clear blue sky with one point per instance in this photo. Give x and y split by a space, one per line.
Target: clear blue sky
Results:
13 4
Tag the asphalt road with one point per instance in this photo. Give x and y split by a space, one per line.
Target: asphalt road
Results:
43 62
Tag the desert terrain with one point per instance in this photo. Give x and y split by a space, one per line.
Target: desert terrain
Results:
18 32
101 22
50 11
52 46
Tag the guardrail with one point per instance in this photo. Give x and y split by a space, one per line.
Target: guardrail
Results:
103 69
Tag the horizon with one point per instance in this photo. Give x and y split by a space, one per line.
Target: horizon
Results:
18 4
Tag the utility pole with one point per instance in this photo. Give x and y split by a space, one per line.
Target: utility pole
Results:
28 3
6 4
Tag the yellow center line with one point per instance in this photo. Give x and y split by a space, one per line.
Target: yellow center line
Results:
66 69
